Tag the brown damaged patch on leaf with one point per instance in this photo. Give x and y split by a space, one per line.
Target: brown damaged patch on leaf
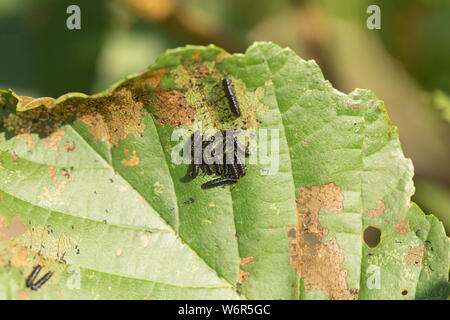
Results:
68 175
123 117
414 256
222 55
243 275
96 126
378 212
23 295
52 173
46 193
110 117
172 109
150 80
28 139
57 193
69 147
400 227
319 263
20 255
14 157
201 72
246 260
197 56
133 161
60 188
16 228
54 139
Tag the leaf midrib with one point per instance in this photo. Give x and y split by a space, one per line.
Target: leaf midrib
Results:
280 115
147 202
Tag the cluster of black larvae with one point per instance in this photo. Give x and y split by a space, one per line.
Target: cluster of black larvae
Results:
221 157
226 158
36 285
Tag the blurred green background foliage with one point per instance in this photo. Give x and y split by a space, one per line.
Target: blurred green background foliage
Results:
406 63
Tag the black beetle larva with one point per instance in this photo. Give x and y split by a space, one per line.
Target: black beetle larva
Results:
194 173
234 171
240 148
232 100
42 281
218 182
225 170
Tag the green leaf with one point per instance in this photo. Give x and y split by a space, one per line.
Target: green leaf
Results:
89 190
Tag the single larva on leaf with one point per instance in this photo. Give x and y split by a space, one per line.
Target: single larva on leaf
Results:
194 173
42 281
232 100
218 182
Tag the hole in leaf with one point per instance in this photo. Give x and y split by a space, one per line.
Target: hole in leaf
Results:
372 236
405 292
